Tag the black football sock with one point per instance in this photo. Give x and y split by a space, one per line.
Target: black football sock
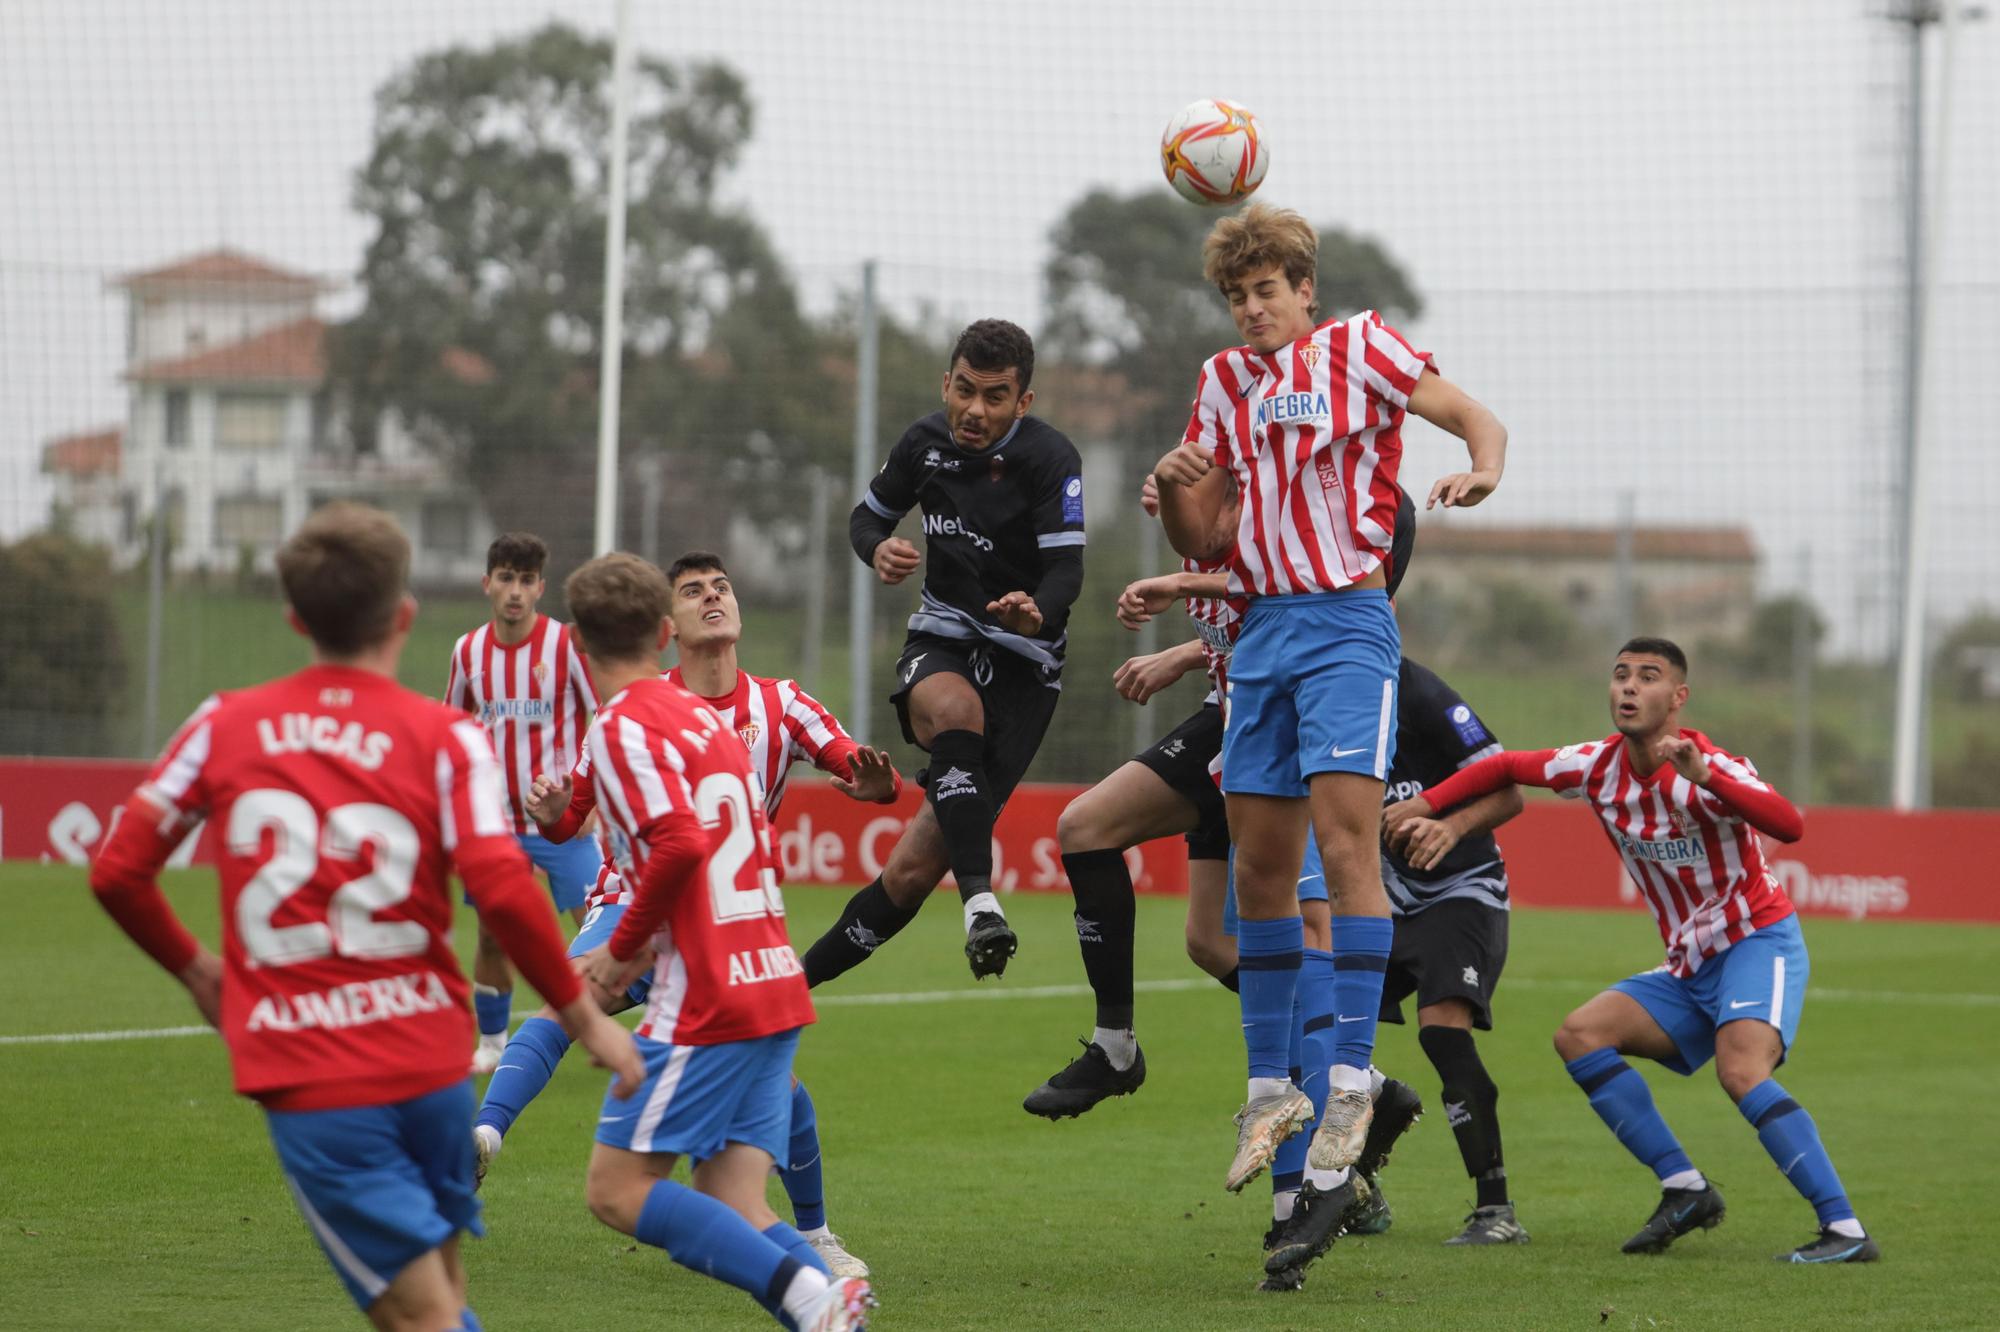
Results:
869 920
1231 981
964 808
1471 1103
1105 918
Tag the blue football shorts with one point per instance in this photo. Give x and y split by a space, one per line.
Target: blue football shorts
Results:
571 866
380 1186
1312 883
597 929
699 1098
1762 977
1312 689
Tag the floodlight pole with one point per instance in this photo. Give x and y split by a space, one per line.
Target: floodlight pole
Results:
1909 780
861 578
611 347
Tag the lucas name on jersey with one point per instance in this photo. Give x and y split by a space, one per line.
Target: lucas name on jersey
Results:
754 966
303 733
355 1004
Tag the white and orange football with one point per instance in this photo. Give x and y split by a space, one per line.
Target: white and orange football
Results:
1214 153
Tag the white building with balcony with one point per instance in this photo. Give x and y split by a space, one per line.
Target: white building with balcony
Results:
230 421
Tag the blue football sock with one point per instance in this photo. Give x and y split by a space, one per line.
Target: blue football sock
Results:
1790 1136
1268 957
526 1066
469 1322
795 1244
1312 1045
494 1009
801 1175
1360 956
1288 1167
706 1236
1623 1101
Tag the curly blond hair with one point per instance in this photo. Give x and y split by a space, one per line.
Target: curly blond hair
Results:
1258 238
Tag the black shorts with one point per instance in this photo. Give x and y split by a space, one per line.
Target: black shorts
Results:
1019 697
1181 758
1453 949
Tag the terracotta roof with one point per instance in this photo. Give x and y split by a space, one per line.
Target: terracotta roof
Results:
293 353
1719 544
224 267
89 454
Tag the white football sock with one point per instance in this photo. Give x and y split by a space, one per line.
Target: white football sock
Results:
1346 1077
1283 1203
1120 1047
803 1293
1261 1087
1685 1179
1848 1229
1375 1081
979 902
1326 1181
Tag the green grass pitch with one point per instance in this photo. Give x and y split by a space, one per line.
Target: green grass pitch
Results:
136 1191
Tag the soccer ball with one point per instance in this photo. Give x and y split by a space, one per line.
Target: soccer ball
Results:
1214 153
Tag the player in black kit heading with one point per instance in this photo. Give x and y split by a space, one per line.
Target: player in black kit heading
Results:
981 670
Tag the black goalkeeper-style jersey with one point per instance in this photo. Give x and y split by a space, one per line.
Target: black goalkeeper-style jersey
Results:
1437 733
995 521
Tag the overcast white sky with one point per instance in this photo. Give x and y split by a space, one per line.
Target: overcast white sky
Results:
1660 240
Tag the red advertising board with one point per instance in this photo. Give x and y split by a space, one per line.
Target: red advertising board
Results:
1857 863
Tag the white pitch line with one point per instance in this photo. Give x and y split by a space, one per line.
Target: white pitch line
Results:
867 1000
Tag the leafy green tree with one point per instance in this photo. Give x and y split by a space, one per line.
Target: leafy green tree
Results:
486 184
1966 656
60 650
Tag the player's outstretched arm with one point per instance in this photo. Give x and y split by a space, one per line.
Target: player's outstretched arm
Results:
1143 599
1449 407
125 880
1737 787
1522 767
1142 677
561 808
870 775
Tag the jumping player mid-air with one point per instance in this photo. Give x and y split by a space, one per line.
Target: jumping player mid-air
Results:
519 675
1685 816
981 671
342 804
1305 419
706 919
780 725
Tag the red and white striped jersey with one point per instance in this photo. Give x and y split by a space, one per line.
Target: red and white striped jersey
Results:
1695 860
1312 434
533 697
1217 622
781 724
725 970
343 801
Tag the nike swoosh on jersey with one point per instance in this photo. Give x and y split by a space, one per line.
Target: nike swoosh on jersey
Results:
1338 752
1745 1003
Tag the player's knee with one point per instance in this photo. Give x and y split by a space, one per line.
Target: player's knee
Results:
1209 953
1578 1036
1080 826
908 882
1739 1071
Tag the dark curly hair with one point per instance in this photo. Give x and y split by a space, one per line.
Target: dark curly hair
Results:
995 344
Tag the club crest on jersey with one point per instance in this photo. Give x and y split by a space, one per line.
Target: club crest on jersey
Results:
540 672
750 731
1310 355
1280 409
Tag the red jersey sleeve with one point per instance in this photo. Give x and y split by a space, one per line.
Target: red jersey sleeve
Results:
458 683
814 734
478 836
1734 786
1523 767
169 804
